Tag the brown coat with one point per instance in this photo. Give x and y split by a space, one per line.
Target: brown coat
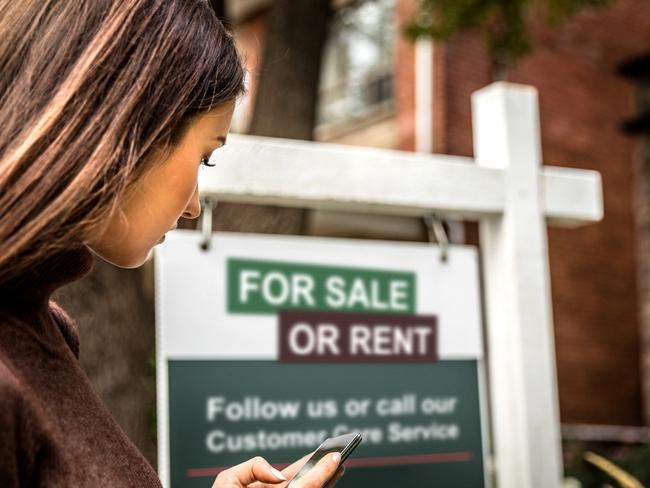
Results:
54 429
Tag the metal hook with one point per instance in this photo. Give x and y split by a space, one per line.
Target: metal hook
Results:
438 234
207 205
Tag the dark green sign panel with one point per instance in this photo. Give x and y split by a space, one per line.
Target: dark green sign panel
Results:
264 287
420 422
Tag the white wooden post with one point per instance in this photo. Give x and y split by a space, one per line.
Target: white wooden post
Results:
518 300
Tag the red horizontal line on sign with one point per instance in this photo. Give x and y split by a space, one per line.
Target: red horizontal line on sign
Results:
441 457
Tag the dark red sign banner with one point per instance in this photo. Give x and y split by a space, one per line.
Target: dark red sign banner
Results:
335 337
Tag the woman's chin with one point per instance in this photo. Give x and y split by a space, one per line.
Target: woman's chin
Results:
130 260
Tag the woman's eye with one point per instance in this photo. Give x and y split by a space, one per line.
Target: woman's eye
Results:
205 161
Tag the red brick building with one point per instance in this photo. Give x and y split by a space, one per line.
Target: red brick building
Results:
593 269
597 278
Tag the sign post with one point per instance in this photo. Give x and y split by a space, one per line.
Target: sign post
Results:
511 195
525 414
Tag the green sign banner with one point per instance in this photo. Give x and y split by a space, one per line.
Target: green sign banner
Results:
263 287
420 422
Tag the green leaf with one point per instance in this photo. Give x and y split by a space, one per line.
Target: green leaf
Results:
504 22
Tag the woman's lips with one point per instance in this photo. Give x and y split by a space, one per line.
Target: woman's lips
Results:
162 239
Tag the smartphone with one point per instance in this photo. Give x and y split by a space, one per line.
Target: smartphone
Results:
343 444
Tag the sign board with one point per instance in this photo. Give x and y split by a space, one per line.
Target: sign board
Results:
266 345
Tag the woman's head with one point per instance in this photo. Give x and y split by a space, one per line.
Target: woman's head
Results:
97 98
168 190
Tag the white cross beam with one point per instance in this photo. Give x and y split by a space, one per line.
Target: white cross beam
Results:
511 194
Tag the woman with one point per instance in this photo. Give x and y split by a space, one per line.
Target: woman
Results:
108 109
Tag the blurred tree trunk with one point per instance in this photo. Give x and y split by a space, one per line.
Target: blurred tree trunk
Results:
287 90
285 102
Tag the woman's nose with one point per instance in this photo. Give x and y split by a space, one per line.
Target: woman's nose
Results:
193 209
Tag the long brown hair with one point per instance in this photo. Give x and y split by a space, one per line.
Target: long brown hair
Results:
88 90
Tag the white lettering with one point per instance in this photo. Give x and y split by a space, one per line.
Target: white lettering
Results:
304 330
403 341
267 288
246 283
359 339
382 342
302 286
214 441
358 295
214 406
375 292
398 294
422 333
335 297
328 335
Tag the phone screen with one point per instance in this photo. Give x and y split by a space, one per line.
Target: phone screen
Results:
343 444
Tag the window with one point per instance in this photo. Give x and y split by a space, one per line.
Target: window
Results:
357 72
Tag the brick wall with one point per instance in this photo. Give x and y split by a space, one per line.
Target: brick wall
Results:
593 269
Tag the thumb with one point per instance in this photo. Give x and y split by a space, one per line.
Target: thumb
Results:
255 469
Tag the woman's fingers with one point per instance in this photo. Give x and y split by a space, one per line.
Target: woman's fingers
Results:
319 475
256 469
257 472
291 470
337 476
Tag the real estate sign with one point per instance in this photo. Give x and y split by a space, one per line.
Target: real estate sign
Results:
266 345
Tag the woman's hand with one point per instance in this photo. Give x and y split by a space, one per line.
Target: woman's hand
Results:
258 473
